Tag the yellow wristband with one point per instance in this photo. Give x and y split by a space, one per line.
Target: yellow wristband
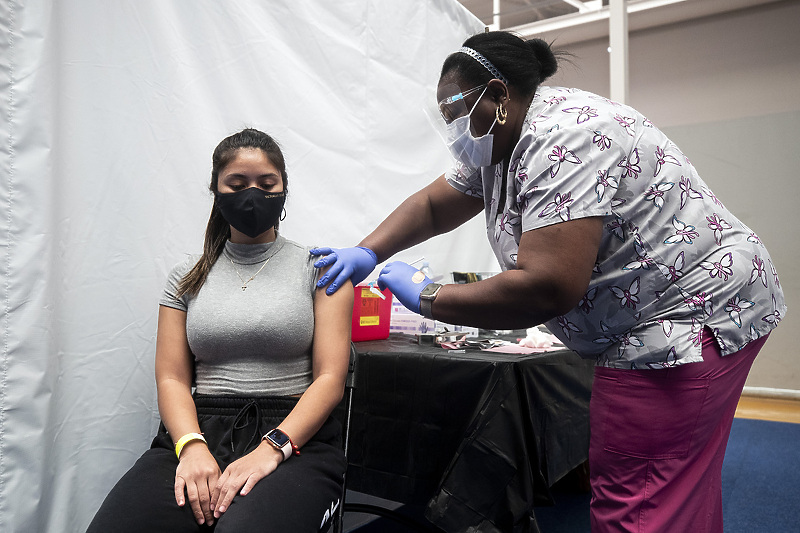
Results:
189 437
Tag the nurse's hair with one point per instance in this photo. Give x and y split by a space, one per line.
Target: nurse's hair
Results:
218 231
524 64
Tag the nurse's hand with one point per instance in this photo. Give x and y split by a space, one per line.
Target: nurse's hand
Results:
405 282
354 264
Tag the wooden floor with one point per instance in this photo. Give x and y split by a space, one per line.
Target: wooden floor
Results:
774 409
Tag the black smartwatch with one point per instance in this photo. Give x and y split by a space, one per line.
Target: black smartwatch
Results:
280 441
426 298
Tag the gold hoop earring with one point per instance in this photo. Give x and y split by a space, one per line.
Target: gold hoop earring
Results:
501 114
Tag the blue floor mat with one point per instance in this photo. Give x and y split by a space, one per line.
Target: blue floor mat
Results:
760 486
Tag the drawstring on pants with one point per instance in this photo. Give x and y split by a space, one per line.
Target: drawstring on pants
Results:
243 420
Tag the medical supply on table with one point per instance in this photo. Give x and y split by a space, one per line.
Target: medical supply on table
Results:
536 338
410 323
406 321
371 313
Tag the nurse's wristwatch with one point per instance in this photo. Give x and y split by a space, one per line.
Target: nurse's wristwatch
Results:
281 442
426 298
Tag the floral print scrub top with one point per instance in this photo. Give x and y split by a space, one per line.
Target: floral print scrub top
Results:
672 258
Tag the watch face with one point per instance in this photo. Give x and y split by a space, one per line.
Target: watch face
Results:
430 291
278 437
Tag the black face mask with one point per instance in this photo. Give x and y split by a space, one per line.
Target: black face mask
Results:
251 211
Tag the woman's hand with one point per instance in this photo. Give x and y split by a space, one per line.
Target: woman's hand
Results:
196 476
243 474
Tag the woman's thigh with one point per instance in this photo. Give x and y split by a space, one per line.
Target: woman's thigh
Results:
299 496
144 500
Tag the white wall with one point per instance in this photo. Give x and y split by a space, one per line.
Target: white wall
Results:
726 89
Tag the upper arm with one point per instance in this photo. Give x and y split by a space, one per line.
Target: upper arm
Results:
562 207
561 257
173 356
450 207
332 319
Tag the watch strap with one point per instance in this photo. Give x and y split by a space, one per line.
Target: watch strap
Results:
426 298
286 449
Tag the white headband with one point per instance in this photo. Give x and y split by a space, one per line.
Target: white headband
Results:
483 61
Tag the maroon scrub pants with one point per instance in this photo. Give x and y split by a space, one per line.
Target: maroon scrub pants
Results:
658 439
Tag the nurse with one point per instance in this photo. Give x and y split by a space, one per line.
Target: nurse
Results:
607 234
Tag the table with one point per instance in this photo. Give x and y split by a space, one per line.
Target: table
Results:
478 437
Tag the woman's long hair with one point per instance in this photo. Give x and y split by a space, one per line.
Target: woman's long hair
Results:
218 230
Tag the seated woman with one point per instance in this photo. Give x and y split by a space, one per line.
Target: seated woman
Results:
254 448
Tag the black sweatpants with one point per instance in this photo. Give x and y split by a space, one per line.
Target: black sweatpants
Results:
296 498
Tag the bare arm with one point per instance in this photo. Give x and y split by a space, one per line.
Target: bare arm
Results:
174 375
433 210
197 471
554 267
331 355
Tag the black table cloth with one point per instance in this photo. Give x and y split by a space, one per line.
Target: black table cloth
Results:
477 437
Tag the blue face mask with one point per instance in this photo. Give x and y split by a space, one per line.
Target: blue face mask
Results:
473 152
251 211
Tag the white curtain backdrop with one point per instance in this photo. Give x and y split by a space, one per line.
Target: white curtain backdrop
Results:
110 112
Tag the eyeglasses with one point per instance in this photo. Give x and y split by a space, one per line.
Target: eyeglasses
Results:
454 106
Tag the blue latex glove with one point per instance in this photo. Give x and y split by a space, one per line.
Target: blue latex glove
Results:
405 282
354 264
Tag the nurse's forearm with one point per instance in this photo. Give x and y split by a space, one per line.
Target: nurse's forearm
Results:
554 269
509 300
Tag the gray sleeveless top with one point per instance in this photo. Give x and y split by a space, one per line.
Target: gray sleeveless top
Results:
257 341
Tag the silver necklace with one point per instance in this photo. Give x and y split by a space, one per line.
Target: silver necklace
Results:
244 283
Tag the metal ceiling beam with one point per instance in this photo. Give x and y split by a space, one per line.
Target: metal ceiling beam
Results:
577 27
495 15
581 7
577 19
618 49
